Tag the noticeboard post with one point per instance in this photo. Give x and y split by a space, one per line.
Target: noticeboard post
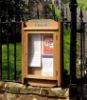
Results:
41 53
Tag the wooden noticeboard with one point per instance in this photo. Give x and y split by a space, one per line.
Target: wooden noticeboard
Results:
41 53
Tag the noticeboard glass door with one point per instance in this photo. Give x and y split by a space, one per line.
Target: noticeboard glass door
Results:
41 55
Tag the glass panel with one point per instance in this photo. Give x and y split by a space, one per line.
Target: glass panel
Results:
41 54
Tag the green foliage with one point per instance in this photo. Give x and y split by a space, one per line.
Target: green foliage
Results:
57 11
82 3
12 8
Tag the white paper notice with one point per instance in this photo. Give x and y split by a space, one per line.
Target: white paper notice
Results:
35 51
47 66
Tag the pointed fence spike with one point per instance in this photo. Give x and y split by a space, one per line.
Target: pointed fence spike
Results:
53 11
66 13
38 12
62 12
81 13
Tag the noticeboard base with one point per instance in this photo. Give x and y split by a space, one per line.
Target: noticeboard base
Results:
41 82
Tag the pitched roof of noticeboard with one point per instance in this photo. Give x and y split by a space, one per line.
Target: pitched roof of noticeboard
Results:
41 24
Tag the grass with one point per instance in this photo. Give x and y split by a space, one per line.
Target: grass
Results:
11 60
67 49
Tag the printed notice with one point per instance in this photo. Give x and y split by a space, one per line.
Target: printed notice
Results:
35 51
47 45
47 67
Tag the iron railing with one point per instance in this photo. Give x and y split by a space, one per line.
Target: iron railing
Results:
8 36
9 33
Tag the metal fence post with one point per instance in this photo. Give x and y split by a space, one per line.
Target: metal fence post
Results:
73 8
38 15
0 49
53 12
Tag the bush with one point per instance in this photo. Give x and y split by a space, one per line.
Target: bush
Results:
10 33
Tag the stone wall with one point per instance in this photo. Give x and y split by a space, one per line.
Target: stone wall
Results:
16 91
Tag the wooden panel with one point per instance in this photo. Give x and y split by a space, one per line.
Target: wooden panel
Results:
40 32
24 54
39 77
58 56
42 82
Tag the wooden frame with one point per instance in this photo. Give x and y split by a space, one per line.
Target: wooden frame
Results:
47 27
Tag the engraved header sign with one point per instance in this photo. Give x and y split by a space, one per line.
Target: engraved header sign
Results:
41 24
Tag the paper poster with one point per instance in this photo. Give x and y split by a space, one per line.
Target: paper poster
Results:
47 66
47 44
35 51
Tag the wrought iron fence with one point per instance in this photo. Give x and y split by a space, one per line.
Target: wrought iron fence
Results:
10 35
